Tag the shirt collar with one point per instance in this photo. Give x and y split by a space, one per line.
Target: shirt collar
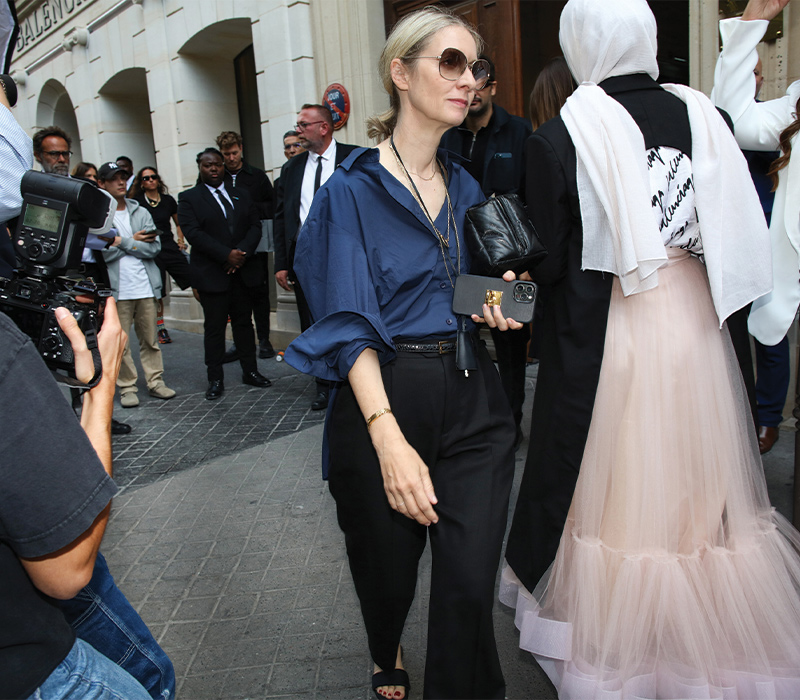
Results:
327 155
214 189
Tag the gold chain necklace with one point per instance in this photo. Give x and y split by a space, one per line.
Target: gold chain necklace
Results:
153 202
423 178
443 242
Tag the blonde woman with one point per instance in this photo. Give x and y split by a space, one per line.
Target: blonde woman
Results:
418 446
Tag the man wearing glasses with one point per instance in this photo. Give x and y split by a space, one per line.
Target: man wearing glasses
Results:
291 144
300 179
51 149
493 142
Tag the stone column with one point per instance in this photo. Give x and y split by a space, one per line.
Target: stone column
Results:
703 43
299 51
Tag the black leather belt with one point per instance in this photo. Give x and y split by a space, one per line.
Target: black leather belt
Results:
442 347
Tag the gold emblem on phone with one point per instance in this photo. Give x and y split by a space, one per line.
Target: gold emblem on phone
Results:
493 298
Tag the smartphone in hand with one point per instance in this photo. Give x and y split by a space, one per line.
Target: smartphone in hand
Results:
516 299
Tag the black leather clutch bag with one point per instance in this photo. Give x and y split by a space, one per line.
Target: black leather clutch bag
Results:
501 237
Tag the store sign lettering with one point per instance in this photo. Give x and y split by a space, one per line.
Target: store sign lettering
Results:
43 18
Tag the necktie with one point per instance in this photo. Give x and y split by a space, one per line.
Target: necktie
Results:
318 175
225 203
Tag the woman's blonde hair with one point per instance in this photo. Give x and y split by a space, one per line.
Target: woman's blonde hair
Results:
407 39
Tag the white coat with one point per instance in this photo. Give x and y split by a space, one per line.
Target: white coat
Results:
758 126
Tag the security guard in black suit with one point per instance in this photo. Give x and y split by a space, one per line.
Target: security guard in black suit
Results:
224 230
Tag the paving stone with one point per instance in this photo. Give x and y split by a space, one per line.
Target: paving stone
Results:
300 647
308 621
203 687
298 676
348 672
247 683
227 632
225 539
199 609
180 635
277 601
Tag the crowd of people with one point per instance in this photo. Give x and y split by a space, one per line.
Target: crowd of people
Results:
644 559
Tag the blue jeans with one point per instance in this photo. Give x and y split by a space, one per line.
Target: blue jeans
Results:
772 381
102 616
85 674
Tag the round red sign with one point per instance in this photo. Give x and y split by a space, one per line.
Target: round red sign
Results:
338 101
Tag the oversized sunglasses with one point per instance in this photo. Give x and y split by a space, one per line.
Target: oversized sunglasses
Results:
147 178
453 63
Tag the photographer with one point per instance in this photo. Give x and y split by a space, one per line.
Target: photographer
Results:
54 507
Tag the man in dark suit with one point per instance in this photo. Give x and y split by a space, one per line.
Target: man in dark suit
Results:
239 173
224 230
300 179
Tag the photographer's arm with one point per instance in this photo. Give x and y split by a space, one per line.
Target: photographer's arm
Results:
64 572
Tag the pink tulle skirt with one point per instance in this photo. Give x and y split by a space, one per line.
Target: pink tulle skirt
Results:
674 577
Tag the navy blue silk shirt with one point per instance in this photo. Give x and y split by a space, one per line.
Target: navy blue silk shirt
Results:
371 267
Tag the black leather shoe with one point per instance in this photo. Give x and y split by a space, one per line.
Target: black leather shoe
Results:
265 350
255 378
231 355
215 389
118 428
320 402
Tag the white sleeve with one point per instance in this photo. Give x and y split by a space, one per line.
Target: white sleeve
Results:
16 157
757 125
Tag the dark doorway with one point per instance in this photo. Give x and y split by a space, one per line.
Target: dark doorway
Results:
522 35
244 66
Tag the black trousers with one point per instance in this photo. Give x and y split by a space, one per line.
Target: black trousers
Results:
217 306
172 261
511 348
306 321
463 430
259 298
740 337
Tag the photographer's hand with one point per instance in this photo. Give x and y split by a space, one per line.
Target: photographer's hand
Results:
97 402
63 573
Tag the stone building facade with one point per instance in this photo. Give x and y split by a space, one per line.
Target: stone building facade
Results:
157 80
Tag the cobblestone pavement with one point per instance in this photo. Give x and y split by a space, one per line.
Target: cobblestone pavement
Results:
224 537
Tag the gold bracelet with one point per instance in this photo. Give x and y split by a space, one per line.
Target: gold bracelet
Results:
377 415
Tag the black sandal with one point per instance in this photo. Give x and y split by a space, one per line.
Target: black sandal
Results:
396 677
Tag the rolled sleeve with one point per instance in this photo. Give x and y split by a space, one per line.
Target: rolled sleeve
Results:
757 125
330 348
16 157
332 266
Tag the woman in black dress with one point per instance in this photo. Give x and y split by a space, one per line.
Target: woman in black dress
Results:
149 190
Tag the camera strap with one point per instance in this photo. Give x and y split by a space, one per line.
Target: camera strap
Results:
91 344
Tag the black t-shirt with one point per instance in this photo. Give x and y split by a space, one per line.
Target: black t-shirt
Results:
53 486
162 213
